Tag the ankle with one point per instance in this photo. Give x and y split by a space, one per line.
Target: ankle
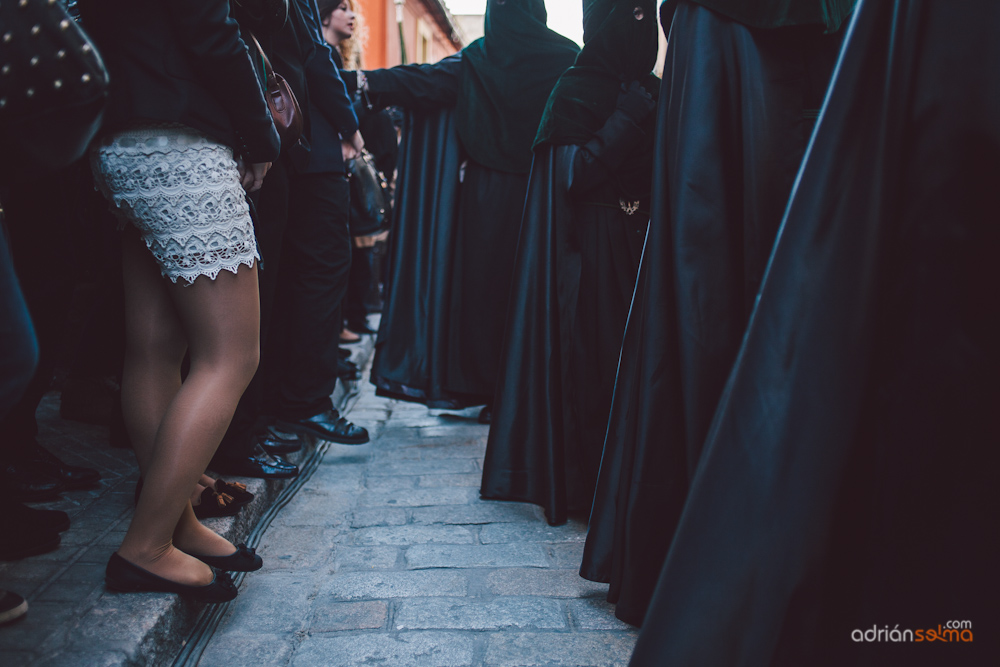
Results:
197 539
146 556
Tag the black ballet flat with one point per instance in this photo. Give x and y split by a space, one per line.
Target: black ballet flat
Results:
125 577
244 559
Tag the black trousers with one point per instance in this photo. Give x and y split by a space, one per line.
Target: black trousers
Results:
301 351
359 286
46 244
269 227
18 346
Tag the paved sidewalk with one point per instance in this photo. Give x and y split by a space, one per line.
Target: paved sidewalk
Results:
72 620
388 557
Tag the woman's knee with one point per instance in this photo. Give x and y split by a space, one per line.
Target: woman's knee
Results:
236 363
147 344
251 361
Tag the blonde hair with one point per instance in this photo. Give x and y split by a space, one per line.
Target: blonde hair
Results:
352 49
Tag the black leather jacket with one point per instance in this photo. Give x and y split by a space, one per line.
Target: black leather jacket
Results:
182 61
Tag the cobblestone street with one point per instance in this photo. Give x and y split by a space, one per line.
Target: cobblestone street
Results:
387 556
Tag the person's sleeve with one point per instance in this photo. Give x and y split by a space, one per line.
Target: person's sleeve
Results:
597 160
417 87
327 91
206 30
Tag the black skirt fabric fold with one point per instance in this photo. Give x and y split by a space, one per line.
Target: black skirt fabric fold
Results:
847 487
736 109
573 278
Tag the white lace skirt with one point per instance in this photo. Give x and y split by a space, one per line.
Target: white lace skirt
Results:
182 191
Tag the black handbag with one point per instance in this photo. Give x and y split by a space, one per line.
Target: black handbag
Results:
370 212
53 88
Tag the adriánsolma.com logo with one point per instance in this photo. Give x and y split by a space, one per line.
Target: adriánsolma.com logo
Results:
952 631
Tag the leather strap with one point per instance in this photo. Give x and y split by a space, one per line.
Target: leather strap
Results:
268 70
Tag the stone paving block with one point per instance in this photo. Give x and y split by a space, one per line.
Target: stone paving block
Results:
406 649
37 627
394 467
271 604
478 614
391 483
31 569
424 556
474 449
348 559
121 621
332 616
336 477
547 582
81 573
590 649
532 532
111 539
76 538
383 585
364 518
415 419
595 614
404 453
312 508
454 431
368 400
69 659
472 479
239 649
413 534
66 553
479 513
370 413
58 591
297 548
418 497
97 554
337 454
568 555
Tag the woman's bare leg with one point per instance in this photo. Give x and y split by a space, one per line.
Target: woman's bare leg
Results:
220 321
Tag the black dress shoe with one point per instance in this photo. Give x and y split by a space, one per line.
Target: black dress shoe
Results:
260 464
329 425
347 371
244 559
27 481
279 443
360 327
72 477
123 576
486 415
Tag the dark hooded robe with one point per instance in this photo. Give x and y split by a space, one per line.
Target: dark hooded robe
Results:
845 506
463 174
584 224
736 110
